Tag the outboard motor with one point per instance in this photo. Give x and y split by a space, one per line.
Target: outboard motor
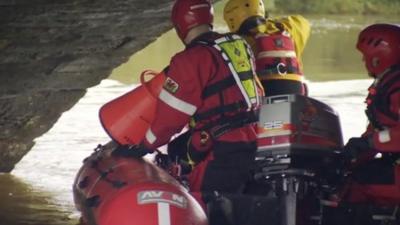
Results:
297 158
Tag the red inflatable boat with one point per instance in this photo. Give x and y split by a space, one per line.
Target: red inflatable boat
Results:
112 190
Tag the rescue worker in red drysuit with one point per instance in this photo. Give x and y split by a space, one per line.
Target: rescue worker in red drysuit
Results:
376 177
278 44
211 86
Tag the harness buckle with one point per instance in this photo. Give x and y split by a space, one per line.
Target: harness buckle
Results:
204 137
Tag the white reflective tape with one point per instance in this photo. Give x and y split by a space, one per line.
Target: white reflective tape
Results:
176 103
277 54
220 40
226 58
384 136
224 39
252 61
150 137
199 6
236 37
217 47
249 52
164 215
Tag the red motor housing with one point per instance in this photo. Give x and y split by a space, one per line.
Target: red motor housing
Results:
297 125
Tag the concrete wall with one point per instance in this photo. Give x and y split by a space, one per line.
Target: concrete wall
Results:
52 50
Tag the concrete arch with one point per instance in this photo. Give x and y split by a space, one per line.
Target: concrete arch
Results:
51 51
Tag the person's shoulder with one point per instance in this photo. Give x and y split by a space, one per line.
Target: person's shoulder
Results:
217 38
300 21
289 20
298 17
295 25
193 55
192 51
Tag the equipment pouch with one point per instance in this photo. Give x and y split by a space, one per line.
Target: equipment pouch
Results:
200 145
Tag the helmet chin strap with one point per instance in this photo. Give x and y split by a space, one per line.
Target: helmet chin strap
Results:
381 75
250 24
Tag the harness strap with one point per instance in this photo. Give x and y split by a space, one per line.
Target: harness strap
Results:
220 110
227 124
380 101
225 83
228 37
386 109
250 23
280 68
372 119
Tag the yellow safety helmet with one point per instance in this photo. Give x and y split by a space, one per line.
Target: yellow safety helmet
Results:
236 12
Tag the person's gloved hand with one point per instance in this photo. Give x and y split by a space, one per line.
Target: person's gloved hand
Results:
135 151
177 148
162 160
356 147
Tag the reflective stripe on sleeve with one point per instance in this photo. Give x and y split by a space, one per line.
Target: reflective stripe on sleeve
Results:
384 136
176 103
150 137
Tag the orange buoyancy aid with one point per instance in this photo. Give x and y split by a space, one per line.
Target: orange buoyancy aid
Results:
379 106
383 111
276 57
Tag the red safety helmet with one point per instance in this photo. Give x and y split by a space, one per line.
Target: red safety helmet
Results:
187 14
380 46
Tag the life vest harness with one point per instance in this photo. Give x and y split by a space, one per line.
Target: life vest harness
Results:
226 124
278 68
378 98
238 58
276 57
